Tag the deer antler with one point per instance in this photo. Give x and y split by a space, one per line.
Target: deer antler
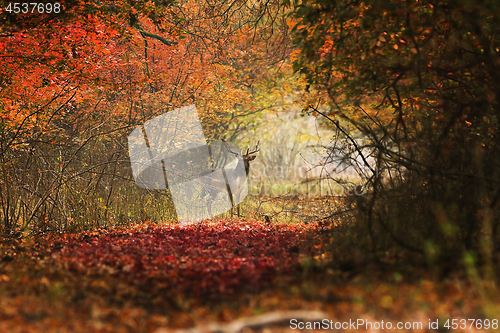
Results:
254 151
248 149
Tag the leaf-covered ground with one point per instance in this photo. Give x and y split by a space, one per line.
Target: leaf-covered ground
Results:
142 278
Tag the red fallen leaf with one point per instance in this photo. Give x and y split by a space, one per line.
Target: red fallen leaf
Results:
138 266
205 259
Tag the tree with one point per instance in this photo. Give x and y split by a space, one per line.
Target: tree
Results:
57 64
75 83
418 80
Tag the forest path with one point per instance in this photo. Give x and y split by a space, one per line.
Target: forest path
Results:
150 277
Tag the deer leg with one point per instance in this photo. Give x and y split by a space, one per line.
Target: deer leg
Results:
231 198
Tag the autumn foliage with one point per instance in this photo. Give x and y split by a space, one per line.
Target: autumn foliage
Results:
74 84
415 85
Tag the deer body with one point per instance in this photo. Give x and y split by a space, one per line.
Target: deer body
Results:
233 181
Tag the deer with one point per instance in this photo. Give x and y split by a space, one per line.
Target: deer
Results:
212 186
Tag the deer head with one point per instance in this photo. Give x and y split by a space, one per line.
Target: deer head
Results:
247 157
250 157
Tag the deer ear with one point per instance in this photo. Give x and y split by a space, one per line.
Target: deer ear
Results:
251 158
